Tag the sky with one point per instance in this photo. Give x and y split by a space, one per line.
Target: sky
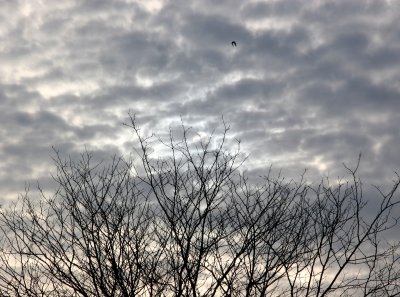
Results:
310 84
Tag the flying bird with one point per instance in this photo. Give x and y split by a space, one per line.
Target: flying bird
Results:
234 43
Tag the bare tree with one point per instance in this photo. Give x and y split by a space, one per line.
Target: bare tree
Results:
191 224
89 239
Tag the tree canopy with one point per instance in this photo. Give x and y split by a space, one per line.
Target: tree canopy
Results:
192 224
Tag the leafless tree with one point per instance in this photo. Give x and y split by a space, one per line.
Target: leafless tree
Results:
191 224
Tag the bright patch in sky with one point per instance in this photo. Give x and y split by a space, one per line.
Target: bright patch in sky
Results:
152 6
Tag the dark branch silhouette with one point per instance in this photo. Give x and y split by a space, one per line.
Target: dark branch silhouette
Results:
191 224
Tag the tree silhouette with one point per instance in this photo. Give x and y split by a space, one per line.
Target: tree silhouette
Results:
191 224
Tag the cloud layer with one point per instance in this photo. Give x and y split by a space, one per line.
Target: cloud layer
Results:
310 84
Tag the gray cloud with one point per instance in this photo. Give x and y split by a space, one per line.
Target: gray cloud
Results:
310 84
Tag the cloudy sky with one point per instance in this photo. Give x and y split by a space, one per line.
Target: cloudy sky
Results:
309 85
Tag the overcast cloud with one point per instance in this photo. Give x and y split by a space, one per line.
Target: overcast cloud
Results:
310 83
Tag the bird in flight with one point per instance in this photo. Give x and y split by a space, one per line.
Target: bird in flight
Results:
234 43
